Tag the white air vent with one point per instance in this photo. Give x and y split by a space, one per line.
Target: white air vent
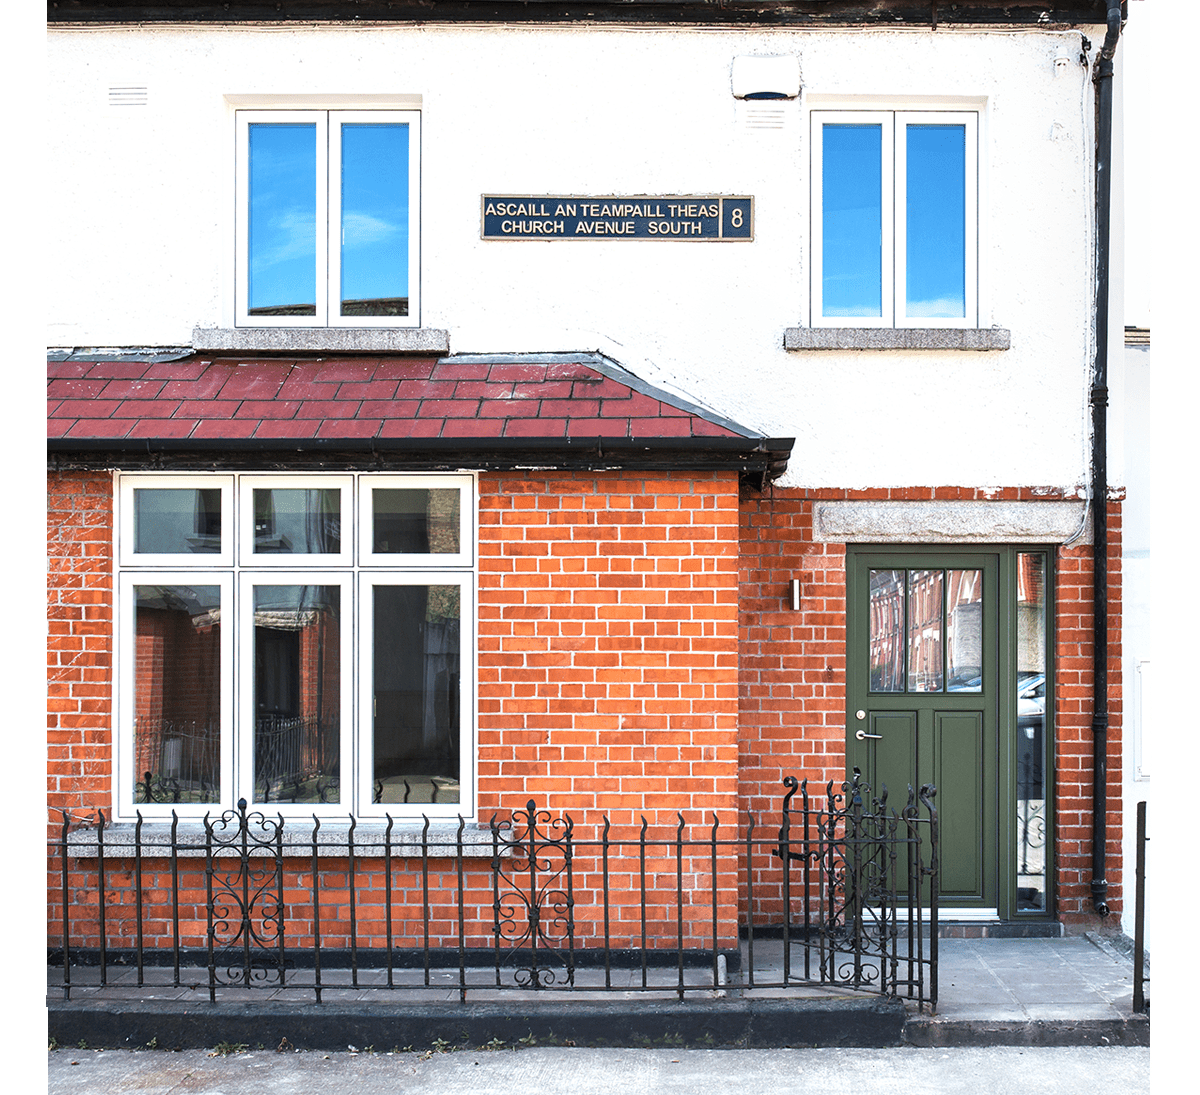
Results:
127 96
763 115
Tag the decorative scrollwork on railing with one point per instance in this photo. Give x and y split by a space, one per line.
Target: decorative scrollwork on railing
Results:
533 901
244 876
861 864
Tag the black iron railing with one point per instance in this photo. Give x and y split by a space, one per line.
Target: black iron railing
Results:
843 893
1141 1002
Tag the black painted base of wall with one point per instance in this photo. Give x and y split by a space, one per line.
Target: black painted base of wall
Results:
870 1022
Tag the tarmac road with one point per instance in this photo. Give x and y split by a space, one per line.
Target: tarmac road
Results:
570 1071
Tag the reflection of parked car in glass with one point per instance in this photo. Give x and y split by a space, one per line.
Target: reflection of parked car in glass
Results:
1031 702
1031 720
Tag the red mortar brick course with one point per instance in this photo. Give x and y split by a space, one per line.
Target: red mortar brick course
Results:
358 398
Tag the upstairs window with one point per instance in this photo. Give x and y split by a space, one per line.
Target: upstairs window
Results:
894 218
328 212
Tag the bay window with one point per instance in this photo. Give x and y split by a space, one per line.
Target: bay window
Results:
304 642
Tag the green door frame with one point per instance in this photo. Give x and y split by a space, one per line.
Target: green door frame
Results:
1001 631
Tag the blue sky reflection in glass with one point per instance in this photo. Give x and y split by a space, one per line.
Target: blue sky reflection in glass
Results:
936 234
283 219
851 198
374 219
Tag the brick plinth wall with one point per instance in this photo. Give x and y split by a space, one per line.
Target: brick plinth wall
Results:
793 665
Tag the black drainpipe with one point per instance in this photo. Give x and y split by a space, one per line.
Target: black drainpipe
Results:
1102 76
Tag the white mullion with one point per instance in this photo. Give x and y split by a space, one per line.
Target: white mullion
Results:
332 236
323 274
889 246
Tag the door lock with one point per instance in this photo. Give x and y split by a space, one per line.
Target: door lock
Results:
862 735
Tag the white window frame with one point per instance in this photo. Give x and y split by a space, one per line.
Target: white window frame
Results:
465 556
328 124
126 776
244 773
236 572
248 557
893 221
124 551
368 580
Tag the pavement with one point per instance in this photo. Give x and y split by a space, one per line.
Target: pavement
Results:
1066 991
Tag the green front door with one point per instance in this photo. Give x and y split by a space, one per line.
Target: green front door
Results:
922 699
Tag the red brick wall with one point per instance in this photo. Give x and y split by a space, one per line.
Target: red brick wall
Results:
79 585
792 675
608 659
1073 715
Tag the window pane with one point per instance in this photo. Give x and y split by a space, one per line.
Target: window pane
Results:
924 630
297 522
887 631
297 693
283 220
935 270
177 693
176 521
964 630
851 220
415 693
415 522
1031 731
374 237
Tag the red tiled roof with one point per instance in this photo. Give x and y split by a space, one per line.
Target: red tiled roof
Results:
362 398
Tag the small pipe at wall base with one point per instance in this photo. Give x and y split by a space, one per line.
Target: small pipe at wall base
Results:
1103 78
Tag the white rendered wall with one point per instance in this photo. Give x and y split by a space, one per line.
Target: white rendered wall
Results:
141 237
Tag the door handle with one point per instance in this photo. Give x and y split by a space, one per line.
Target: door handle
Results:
862 735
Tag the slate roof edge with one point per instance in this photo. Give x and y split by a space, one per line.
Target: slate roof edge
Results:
613 370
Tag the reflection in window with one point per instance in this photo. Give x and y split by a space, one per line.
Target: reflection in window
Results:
415 521
176 521
887 631
1031 732
283 219
297 522
374 220
924 630
935 263
416 693
851 248
297 693
177 693
964 630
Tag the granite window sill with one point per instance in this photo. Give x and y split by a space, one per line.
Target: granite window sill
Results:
332 840
323 339
896 338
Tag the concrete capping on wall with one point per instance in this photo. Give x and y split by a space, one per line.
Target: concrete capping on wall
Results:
896 338
950 522
297 840
324 339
